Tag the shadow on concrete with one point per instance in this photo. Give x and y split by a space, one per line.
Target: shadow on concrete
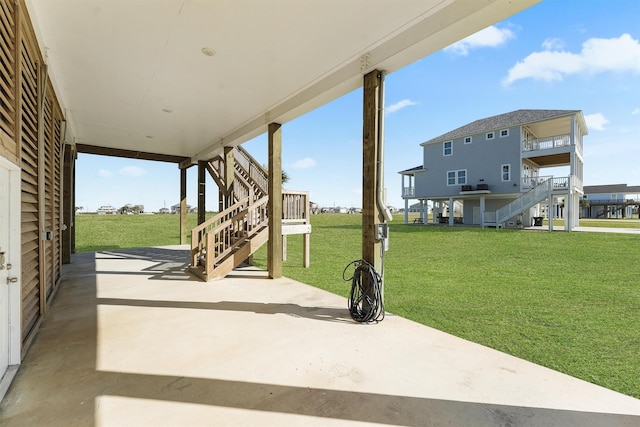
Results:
315 313
60 383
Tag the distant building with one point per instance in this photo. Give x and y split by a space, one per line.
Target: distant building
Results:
163 211
106 210
611 201
175 209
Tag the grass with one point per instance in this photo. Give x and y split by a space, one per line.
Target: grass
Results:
611 223
103 232
568 301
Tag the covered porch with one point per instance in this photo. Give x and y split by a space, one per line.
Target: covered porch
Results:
133 339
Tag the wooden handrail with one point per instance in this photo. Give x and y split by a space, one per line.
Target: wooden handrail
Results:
222 234
295 206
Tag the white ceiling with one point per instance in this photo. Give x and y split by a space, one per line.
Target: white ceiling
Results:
131 73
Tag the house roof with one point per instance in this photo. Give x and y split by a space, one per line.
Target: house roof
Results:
611 188
187 78
501 121
411 170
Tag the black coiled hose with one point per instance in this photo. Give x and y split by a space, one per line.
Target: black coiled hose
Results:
365 298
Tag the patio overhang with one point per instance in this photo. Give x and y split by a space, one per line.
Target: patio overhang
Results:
185 78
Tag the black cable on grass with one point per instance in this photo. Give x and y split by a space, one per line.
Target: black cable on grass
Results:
365 304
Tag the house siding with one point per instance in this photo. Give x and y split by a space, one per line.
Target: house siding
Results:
31 137
482 159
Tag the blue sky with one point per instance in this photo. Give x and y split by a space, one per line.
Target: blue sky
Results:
559 54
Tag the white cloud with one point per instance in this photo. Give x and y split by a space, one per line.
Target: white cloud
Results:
305 163
553 44
104 173
595 121
132 171
620 54
636 111
489 37
399 105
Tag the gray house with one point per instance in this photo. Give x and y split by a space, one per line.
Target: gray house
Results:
611 201
491 172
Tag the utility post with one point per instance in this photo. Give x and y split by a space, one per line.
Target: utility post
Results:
371 126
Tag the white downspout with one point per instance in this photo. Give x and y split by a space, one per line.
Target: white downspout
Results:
380 161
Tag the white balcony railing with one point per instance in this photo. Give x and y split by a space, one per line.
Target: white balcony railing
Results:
558 182
408 192
528 199
546 143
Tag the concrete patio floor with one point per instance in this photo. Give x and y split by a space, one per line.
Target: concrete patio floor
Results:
133 340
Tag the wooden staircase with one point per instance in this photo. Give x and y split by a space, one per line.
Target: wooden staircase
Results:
249 175
225 241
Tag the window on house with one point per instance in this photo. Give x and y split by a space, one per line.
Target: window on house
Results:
451 178
491 135
506 173
504 133
447 148
467 140
462 176
457 177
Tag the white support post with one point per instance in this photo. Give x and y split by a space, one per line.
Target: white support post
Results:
550 207
568 204
406 211
425 211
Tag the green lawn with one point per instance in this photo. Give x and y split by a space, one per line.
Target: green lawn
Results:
611 223
103 232
569 301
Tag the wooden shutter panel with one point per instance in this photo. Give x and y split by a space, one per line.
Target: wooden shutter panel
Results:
7 67
30 206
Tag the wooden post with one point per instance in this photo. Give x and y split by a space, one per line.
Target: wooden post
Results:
221 200
68 208
274 247
306 237
306 247
202 210
284 248
229 175
183 206
370 123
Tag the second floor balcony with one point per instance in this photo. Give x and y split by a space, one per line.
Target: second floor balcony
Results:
548 143
408 192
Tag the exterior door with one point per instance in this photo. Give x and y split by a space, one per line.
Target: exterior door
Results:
476 215
4 289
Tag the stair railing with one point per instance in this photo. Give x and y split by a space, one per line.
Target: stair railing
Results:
242 187
528 199
221 235
254 172
295 206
